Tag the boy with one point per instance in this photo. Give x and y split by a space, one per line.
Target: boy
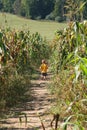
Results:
43 69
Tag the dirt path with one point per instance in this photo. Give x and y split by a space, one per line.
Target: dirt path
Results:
29 118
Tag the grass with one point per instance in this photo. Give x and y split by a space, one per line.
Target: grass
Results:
45 28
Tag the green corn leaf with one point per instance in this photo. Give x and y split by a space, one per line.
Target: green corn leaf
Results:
83 68
73 61
84 60
68 119
81 7
75 127
1 35
69 56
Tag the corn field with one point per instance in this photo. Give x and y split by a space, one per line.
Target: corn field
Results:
20 53
69 85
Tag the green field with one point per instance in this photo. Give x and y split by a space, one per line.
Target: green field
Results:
45 28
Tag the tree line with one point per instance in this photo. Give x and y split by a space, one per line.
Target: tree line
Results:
58 10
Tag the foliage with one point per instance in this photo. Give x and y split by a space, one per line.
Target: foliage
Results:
69 84
59 9
36 8
43 8
17 7
74 9
13 87
71 99
6 5
23 49
20 53
50 16
58 19
71 44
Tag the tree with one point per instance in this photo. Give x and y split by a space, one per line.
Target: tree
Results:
59 8
27 4
16 6
7 5
46 7
40 8
85 11
1 5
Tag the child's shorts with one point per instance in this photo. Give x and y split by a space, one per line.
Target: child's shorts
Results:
44 74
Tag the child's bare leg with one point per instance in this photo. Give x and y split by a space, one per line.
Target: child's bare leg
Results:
42 77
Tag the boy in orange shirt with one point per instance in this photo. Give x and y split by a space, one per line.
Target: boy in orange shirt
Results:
43 69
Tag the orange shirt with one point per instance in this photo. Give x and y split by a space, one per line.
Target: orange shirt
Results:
43 68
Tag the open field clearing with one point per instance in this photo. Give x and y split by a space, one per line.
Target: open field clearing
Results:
45 28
